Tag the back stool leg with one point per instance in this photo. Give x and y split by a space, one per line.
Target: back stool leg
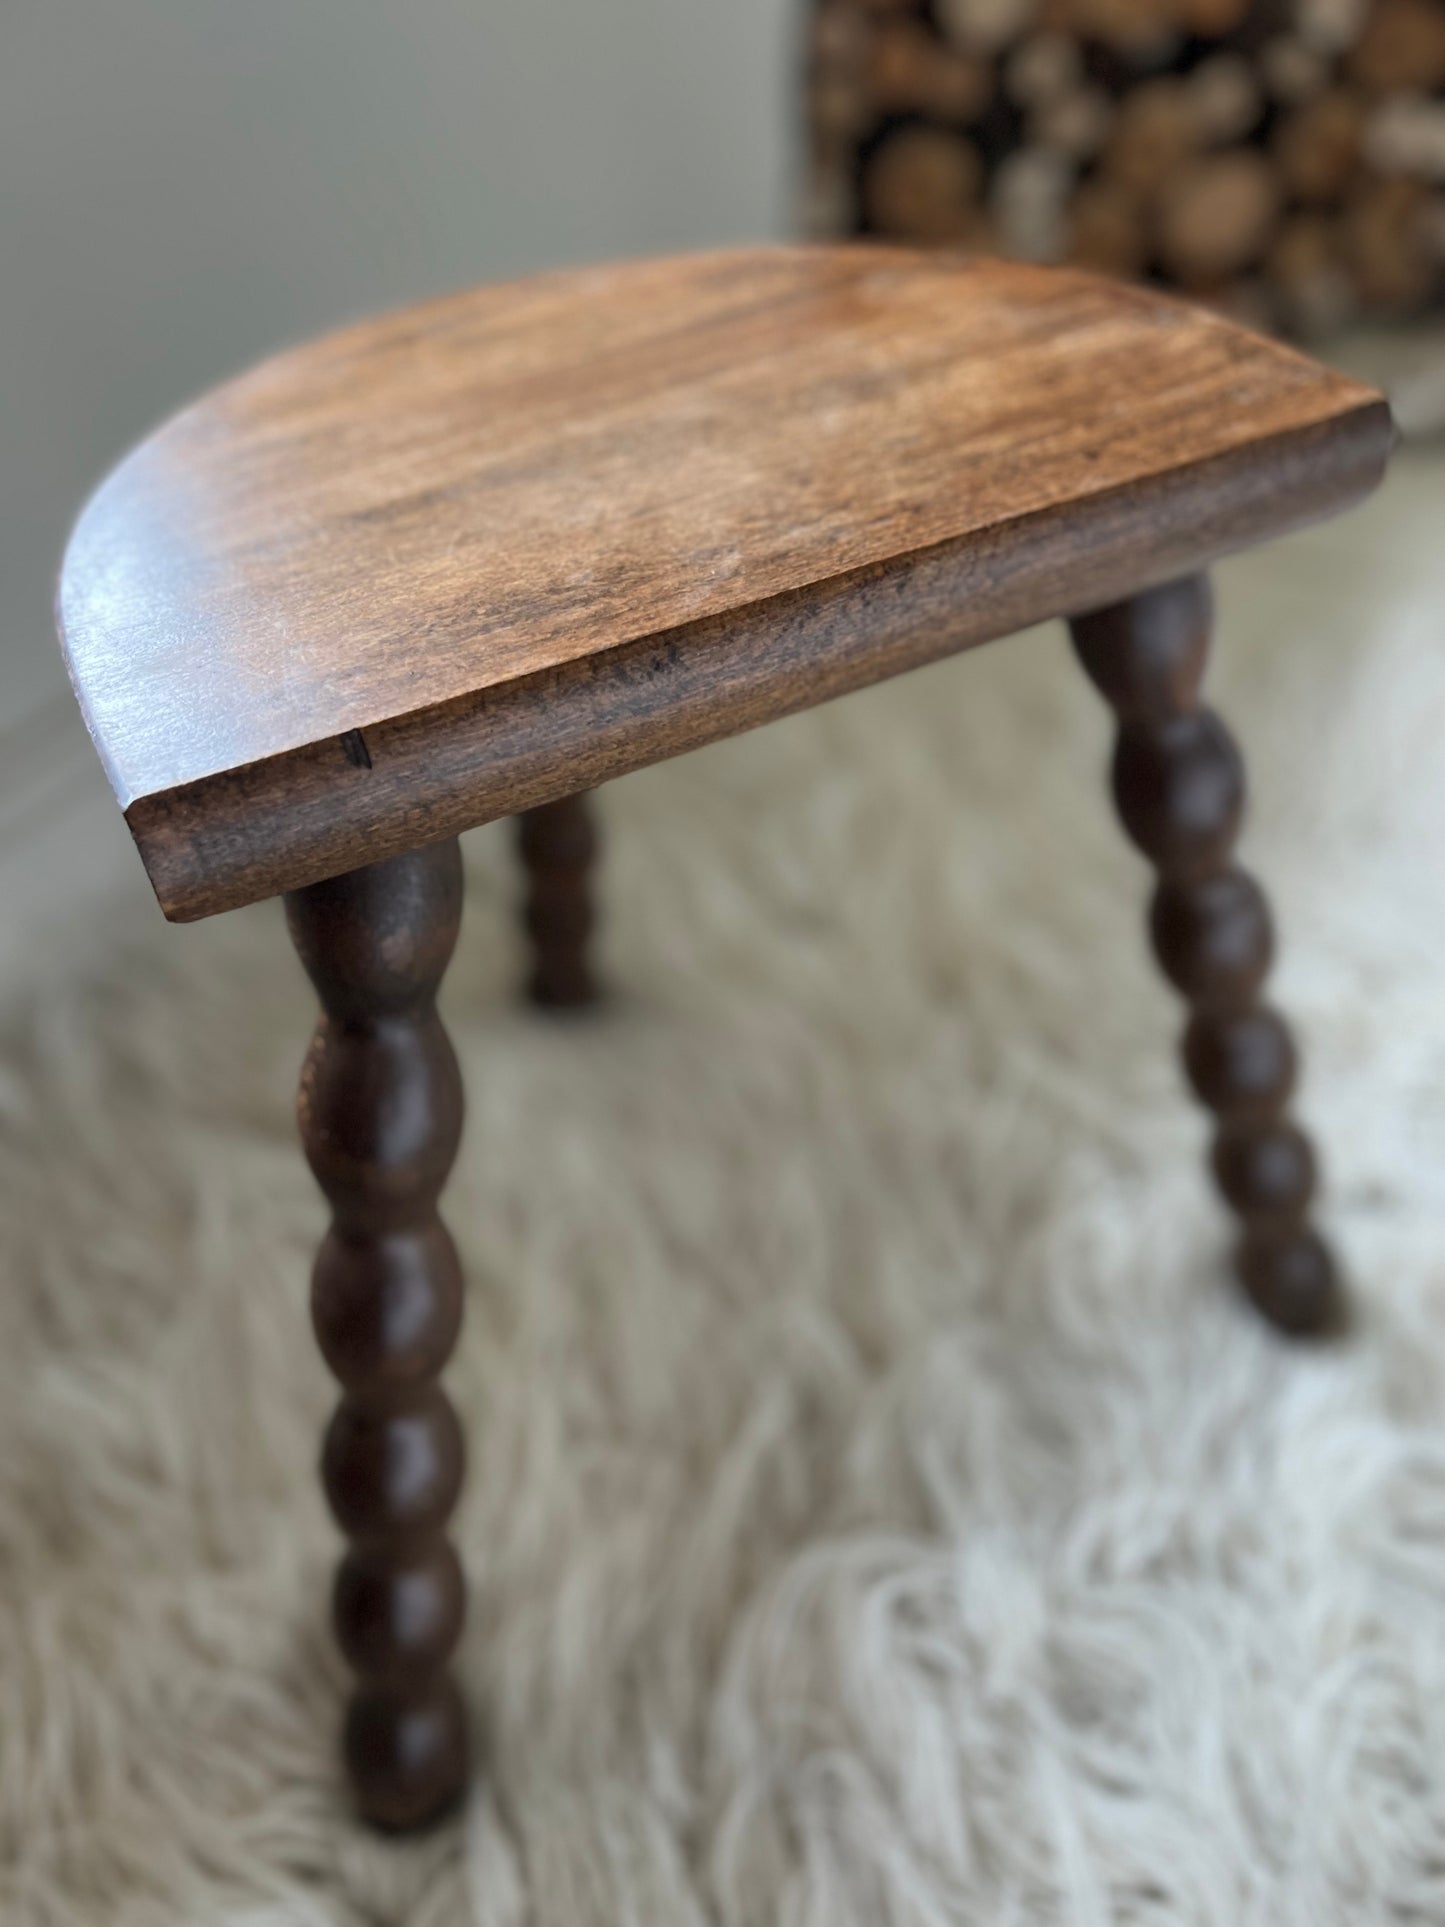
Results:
1178 783
558 846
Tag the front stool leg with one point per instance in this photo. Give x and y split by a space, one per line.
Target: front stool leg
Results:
1178 783
558 846
381 1114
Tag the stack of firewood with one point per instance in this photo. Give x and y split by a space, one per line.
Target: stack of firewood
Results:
1283 158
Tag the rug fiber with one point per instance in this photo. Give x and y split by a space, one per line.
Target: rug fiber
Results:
882 1511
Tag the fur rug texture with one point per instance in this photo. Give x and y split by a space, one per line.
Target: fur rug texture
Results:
882 1511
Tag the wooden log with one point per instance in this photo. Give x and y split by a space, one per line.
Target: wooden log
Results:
910 71
1330 26
840 115
1046 67
923 184
1406 135
1217 216
1307 268
1146 33
1028 203
1225 97
838 104
986 26
1385 242
1293 71
1078 124
1317 146
1212 19
1156 134
1316 102
1402 46
1107 229
839 40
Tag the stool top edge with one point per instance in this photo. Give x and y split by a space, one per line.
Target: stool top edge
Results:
515 480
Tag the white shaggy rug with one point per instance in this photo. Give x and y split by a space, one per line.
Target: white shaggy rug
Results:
882 1510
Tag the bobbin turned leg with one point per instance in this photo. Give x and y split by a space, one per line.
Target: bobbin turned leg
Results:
381 1111
558 844
1178 784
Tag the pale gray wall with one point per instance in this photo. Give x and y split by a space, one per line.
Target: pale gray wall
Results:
186 184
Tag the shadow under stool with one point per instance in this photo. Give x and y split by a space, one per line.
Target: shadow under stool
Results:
472 559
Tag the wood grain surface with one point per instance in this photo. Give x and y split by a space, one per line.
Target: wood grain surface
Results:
478 555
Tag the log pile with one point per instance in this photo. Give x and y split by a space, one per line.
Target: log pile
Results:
1282 158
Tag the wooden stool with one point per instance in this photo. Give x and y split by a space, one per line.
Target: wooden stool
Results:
472 559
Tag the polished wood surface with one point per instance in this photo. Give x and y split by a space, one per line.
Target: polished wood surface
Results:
467 559
381 1118
1179 786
